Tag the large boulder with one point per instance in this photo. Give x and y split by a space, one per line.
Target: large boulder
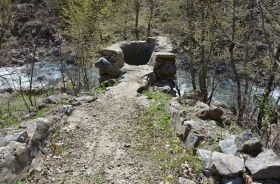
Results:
107 69
13 160
226 165
265 165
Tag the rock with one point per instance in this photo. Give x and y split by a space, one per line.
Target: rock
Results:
13 159
233 180
106 67
253 145
173 106
37 164
36 129
212 114
65 110
114 54
205 156
226 165
189 126
185 181
52 100
71 58
177 116
42 106
265 165
220 104
201 105
76 103
21 137
245 136
167 90
228 145
191 94
193 140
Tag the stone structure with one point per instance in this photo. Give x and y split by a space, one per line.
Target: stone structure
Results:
155 51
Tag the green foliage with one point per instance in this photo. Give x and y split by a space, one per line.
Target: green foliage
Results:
266 109
20 182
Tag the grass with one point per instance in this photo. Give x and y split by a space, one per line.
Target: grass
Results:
157 141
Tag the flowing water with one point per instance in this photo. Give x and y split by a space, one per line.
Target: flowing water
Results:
46 73
226 90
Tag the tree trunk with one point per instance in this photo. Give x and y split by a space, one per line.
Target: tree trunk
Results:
202 76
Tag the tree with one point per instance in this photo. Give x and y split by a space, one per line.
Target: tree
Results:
82 20
6 18
137 6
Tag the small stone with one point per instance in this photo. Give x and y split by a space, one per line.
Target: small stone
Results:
205 156
228 145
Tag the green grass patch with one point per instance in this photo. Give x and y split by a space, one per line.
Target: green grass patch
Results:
157 142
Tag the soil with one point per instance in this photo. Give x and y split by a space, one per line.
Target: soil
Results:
94 149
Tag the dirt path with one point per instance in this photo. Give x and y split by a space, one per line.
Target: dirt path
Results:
94 150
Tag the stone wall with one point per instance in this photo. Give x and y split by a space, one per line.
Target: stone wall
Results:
155 51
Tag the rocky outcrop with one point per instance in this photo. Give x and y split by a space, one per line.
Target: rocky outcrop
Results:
19 148
232 162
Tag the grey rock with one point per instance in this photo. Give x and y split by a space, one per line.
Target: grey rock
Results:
192 141
36 129
76 103
245 136
17 136
212 114
177 115
253 145
13 159
108 67
37 164
167 90
220 104
228 145
173 106
65 110
205 156
265 165
233 180
226 165
186 181
189 126
52 100
201 105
